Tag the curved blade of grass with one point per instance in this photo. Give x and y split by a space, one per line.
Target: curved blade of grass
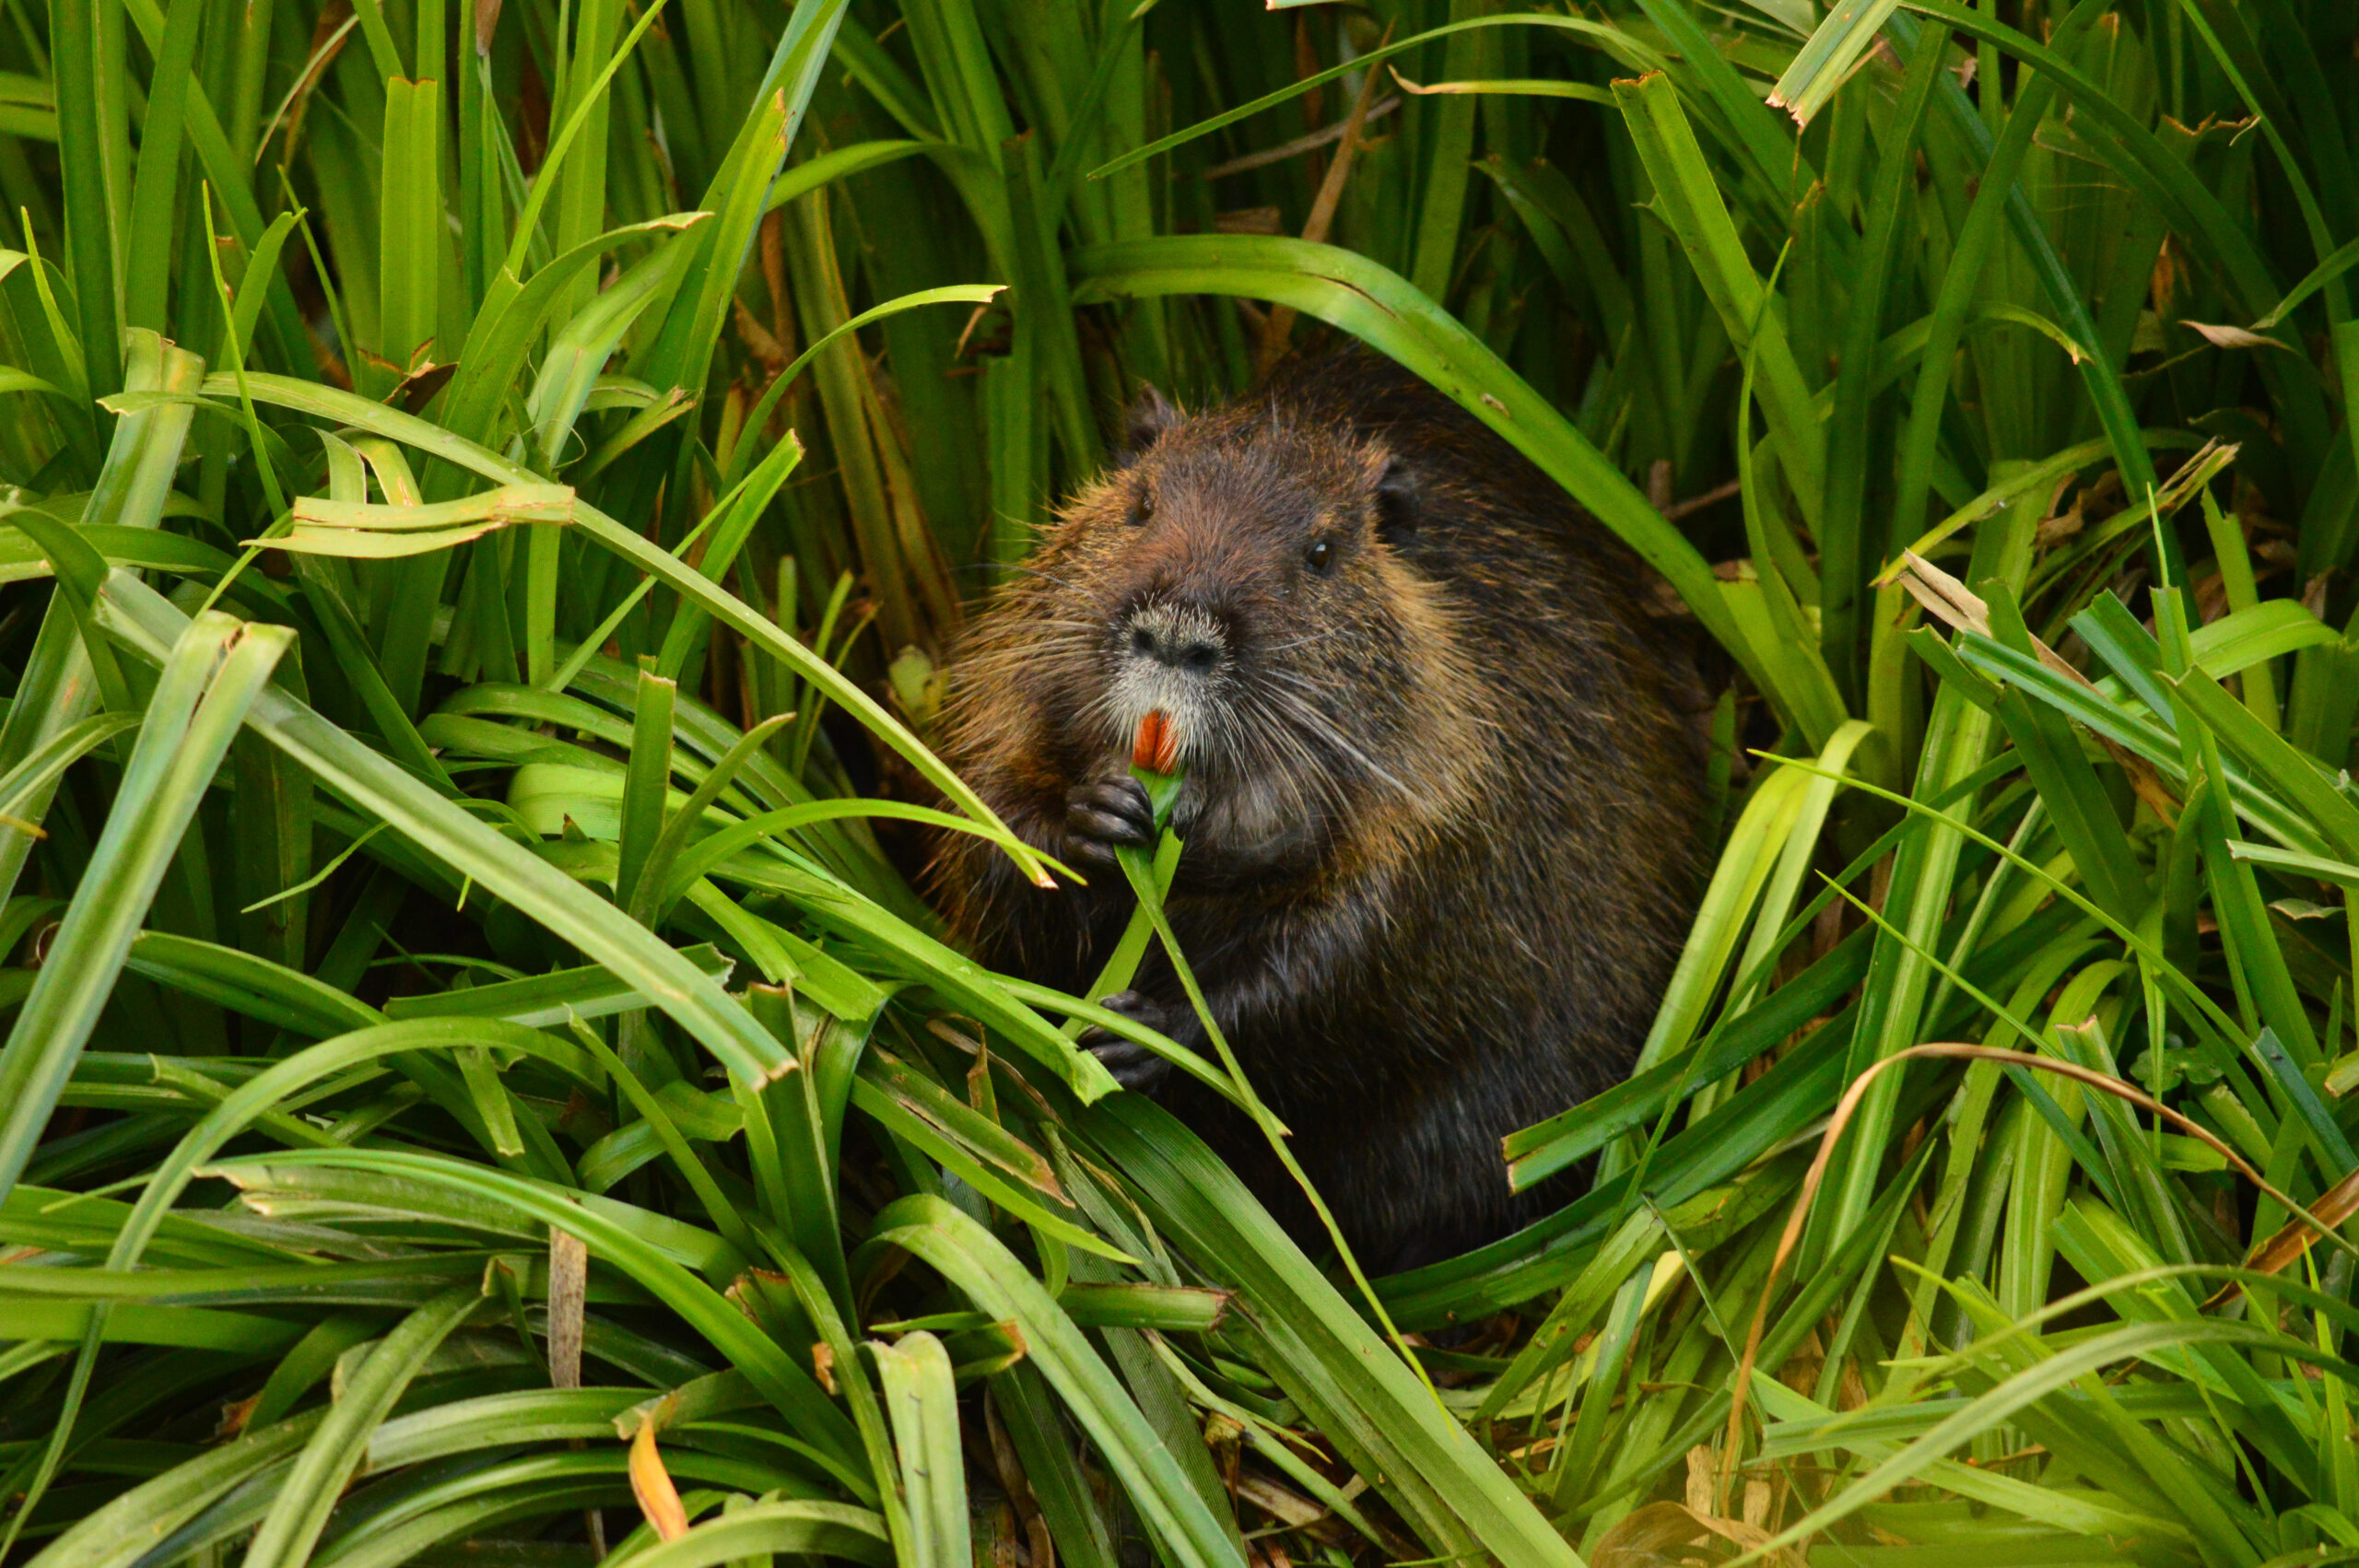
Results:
1624 48
255 987
579 350
839 163
35 775
116 1534
914 1383
392 1544
311 1065
56 689
1688 199
973 1261
2093 1515
829 1529
714 852
511 319
340 1443
384 791
2342 260
2021 1391
1328 1358
1380 308
191 720
953 294
765 1363
691 585
224 1491
78 569
1541 1150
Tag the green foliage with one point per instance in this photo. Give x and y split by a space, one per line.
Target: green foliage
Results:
488 486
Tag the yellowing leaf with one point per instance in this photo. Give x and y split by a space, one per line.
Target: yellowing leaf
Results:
2232 337
651 1484
363 530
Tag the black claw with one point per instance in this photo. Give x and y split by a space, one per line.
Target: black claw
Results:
1133 1066
1091 823
1110 813
1138 1007
1124 797
1096 854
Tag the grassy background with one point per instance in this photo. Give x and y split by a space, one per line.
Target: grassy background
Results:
487 484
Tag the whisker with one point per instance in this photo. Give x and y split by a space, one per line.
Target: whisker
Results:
1325 729
1035 572
1302 641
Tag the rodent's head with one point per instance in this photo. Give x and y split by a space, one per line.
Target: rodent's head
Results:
1253 579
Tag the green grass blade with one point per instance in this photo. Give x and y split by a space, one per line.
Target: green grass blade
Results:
817 1421
1688 199
369 781
967 1256
830 1529
1340 1372
1828 55
339 1444
914 1377
189 723
690 584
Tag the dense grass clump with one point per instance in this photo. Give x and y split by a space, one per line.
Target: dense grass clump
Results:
488 484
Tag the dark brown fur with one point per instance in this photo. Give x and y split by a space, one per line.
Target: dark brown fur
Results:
1441 814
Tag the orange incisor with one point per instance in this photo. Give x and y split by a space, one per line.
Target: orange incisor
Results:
1157 750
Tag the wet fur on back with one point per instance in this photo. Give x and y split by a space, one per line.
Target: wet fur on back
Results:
1443 794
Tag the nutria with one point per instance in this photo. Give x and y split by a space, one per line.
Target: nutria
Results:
1444 782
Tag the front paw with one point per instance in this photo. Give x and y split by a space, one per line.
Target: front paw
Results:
1108 815
1135 1067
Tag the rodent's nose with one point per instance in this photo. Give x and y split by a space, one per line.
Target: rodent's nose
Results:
1199 657
1179 637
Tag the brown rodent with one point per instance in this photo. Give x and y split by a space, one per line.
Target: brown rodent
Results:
1444 781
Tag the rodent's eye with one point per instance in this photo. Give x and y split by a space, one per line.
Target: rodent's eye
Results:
1141 507
1320 556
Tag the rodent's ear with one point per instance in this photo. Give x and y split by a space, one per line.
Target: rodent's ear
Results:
1150 416
1399 503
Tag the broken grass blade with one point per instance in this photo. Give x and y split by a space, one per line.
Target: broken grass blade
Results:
1826 58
